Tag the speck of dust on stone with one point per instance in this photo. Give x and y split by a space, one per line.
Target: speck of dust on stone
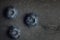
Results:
31 19
14 32
10 12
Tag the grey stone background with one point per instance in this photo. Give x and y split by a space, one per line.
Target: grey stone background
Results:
48 12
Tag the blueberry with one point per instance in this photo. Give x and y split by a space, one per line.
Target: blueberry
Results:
31 19
10 12
14 32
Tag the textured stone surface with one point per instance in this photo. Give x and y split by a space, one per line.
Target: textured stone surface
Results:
49 16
